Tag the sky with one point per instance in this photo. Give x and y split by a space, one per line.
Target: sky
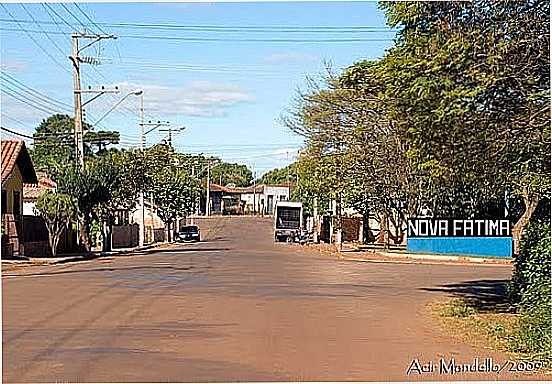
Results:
227 72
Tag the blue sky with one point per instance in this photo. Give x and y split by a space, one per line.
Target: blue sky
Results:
229 94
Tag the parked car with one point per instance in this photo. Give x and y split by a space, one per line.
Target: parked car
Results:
189 233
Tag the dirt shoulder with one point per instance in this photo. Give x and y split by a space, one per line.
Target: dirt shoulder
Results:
489 326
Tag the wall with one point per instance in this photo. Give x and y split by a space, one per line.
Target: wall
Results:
13 183
471 246
125 236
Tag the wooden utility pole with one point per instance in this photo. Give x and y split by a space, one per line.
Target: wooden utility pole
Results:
79 134
76 59
208 202
315 223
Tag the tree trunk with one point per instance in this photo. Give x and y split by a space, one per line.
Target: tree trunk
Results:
106 235
83 234
531 200
367 231
51 242
55 242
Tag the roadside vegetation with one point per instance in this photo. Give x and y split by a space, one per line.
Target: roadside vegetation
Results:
520 321
113 179
453 121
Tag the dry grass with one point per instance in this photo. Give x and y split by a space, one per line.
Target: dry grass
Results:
486 330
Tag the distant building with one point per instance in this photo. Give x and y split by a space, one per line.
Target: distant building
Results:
259 199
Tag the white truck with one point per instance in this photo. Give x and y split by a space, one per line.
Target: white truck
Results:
288 221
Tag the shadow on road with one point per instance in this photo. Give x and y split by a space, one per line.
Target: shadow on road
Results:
183 249
484 295
103 269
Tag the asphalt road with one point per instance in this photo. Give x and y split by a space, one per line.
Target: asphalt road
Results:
235 307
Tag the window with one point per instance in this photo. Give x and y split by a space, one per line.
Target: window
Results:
16 203
4 201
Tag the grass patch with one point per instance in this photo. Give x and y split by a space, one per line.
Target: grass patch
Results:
501 330
457 308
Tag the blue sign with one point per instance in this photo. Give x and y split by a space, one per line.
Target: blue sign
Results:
472 237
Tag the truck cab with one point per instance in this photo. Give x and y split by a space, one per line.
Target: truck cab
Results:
288 220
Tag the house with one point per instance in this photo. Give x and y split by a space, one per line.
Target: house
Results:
154 227
17 169
31 192
263 199
259 198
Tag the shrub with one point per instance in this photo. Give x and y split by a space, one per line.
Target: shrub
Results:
530 291
533 335
530 286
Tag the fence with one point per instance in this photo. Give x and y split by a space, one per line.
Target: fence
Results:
125 236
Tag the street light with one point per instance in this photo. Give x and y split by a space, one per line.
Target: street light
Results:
137 92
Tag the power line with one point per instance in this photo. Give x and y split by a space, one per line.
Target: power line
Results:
45 34
73 16
206 39
16 133
28 102
35 93
34 41
218 28
89 19
47 6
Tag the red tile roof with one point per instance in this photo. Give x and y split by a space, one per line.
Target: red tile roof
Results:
14 152
32 191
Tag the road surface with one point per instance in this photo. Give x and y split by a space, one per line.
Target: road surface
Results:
235 307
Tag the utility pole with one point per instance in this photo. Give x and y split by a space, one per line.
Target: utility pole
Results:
208 202
79 135
254 192
169 133
76 59
143 133
315 224
142 235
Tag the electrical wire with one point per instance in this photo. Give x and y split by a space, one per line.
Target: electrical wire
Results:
34 41
15 133
28 102
37 94
72 15
45 34
214 39
89 19
251 28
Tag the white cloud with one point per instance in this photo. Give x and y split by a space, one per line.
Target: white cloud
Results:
197 98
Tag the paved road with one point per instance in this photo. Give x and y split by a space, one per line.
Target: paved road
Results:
234 307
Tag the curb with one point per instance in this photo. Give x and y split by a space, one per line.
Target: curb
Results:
351 254
78 257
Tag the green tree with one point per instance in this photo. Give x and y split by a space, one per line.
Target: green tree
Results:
470 84
280 175
231 173
58 211
170 184
54 146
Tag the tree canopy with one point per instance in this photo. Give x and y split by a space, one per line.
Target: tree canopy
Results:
450 120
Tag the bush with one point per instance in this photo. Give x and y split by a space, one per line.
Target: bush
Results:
530 291
530 286
533 335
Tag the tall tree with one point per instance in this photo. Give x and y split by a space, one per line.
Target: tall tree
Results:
470 83
54 146
231 173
